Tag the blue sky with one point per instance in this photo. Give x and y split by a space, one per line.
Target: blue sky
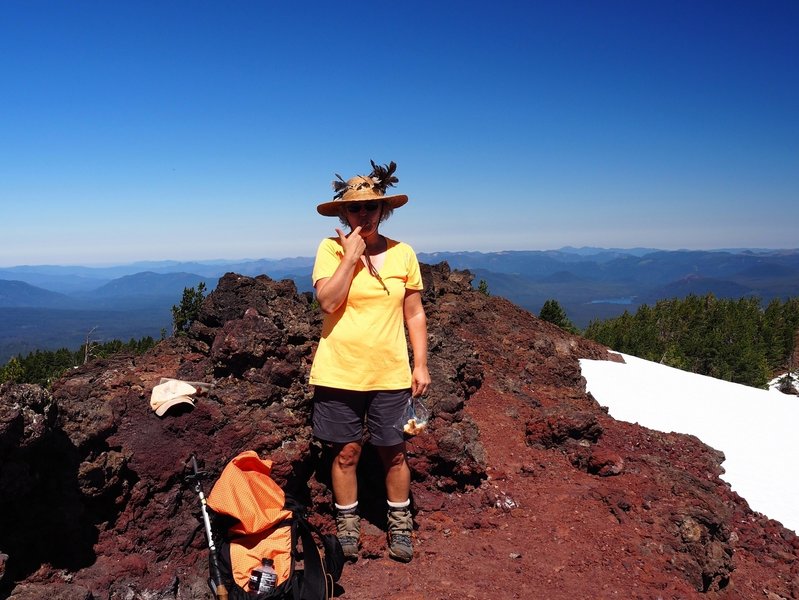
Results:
197 130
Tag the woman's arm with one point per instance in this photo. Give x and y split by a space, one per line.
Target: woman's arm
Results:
416 322
331 292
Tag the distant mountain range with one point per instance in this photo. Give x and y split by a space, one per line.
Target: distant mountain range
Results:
598 284
53 306
131 306
71 279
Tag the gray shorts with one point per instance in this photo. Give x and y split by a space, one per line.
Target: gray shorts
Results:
338 415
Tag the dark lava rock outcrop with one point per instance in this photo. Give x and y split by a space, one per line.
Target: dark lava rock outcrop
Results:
523 486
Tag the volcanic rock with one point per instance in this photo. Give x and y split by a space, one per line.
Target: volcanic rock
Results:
523 486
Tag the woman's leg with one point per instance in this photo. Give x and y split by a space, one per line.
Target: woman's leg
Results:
398 475
344 473
385 411
345 495
398 487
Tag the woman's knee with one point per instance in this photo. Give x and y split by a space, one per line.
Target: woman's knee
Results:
347 455
393 457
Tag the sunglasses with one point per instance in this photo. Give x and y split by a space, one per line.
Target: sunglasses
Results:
355 207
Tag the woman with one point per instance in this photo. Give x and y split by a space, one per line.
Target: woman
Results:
368 286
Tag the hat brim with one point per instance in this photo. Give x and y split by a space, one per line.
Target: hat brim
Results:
165 406
330 209
172 387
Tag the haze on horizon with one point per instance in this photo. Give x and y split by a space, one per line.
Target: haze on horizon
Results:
137 131
145 263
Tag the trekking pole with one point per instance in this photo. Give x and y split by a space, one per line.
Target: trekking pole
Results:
220 589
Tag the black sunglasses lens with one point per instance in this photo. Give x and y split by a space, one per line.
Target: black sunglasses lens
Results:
356 207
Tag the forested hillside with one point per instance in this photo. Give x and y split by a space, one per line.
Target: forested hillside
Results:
45 366
734 340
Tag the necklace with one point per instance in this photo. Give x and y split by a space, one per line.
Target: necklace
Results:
373 270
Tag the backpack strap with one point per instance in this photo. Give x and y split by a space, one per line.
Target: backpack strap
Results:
314 582
334 555
318 576
334 560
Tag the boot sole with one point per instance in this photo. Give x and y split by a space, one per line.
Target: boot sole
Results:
400 557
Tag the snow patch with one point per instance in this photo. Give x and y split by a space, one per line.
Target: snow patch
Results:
754 428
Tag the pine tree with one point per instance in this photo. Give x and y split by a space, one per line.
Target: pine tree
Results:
553 312
184 314
11 371
728 339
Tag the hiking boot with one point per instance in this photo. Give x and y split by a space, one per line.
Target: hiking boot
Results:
348 531
400 528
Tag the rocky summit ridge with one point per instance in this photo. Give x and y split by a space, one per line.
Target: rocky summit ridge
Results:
523 486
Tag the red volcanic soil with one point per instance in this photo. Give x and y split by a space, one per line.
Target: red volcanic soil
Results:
523 486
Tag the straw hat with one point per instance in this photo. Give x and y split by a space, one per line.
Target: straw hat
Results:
363 188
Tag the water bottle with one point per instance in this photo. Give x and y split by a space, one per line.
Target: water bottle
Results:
263 578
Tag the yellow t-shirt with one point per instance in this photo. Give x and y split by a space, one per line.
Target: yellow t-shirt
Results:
363 344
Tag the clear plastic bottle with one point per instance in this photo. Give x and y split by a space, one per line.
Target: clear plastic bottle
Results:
263 578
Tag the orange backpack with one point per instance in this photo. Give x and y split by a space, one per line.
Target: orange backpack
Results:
263 523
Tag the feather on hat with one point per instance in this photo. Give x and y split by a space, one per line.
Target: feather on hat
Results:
363 188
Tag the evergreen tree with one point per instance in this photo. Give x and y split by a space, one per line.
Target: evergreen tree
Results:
184 314
553 312
11 371
728 339
45 366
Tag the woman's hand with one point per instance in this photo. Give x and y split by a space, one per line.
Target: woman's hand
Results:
331 292
421 381
352 244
